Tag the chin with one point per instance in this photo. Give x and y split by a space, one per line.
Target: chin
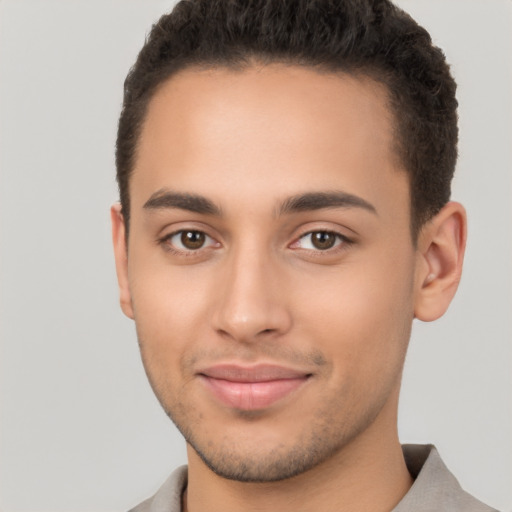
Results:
262 455
274 466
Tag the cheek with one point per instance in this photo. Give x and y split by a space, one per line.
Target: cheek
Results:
169 313
362 316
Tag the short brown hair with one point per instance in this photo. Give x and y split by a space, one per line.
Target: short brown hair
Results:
367 37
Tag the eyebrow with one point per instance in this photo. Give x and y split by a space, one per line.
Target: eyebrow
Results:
164 199
320 200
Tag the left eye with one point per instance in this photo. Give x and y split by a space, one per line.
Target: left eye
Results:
189 240
319 240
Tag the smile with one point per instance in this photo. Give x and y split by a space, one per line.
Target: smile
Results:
254 388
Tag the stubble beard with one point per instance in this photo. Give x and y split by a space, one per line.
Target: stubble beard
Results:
330 429
317 443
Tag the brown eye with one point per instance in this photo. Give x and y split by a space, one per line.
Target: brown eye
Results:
192 239
320 241
323 240
188 240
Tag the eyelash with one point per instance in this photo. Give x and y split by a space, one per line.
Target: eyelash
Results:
165 242
342 242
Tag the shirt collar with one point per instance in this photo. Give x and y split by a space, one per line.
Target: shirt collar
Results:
434 487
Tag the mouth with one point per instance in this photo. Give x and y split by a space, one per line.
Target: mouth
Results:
252 388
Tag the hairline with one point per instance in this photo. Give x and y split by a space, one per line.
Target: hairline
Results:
241 63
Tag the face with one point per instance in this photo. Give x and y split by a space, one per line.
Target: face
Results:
270 270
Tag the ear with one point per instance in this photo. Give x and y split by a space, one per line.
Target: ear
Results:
441 245
121 257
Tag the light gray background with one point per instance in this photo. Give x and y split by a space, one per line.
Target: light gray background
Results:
80 428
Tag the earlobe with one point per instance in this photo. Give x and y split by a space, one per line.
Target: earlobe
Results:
441 246
121 259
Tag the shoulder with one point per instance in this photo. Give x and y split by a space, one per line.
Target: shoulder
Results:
435 487
168 497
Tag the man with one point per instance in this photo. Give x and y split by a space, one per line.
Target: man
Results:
284 171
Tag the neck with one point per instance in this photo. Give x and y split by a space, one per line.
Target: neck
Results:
367 474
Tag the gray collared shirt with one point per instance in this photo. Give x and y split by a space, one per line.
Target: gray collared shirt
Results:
435 489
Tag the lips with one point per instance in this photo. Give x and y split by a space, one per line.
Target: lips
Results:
251 388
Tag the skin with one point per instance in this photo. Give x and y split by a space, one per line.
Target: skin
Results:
258 290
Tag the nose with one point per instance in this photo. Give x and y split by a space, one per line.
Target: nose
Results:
252 303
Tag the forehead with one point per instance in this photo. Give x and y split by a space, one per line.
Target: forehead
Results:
275 127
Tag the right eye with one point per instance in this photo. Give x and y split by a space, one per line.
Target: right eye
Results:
188 240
